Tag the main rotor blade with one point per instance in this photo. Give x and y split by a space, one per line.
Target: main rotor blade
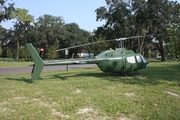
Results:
84 45
118 39
125 38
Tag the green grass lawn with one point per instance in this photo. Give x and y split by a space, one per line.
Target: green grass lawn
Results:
90 94
14 64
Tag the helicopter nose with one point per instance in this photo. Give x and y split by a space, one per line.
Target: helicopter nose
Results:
145 62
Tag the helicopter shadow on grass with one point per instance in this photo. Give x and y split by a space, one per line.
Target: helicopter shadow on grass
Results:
130 78
56 76
20 80
62 75
152 75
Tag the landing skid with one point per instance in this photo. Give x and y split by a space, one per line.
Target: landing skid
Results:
139 73
121 74
125 74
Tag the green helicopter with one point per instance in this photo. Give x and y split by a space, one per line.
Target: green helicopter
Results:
117 60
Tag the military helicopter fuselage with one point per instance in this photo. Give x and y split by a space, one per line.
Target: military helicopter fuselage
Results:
120 60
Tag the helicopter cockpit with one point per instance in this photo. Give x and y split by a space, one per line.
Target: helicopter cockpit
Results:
143 59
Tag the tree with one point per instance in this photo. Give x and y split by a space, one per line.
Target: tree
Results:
174 44
5 37
21 27
142 23
75 36
141 17
49 31
101 35
117 16
5 11
50 28
124 20
52 33
162 13
3 33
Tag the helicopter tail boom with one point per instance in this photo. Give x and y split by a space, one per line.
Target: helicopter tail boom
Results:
39 64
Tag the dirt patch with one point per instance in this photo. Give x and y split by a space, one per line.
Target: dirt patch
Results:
130 94
84 110
4 102
77 91
173 94
124 118
54 111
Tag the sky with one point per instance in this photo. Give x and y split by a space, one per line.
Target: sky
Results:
81 12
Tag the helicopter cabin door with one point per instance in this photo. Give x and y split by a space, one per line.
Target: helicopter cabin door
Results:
130 64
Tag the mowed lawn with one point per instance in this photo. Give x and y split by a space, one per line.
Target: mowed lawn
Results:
14 64
88 93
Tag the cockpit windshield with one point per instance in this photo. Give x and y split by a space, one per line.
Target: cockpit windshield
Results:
143 59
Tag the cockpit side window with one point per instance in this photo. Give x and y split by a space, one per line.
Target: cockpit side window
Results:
131 59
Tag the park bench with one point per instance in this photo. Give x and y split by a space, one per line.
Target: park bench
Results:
9 59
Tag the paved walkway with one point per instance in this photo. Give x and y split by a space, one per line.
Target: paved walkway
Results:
4 71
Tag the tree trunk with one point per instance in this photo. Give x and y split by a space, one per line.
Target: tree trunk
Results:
17 55
141 40
162 51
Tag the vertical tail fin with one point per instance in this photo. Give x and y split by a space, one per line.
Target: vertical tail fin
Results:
37 60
